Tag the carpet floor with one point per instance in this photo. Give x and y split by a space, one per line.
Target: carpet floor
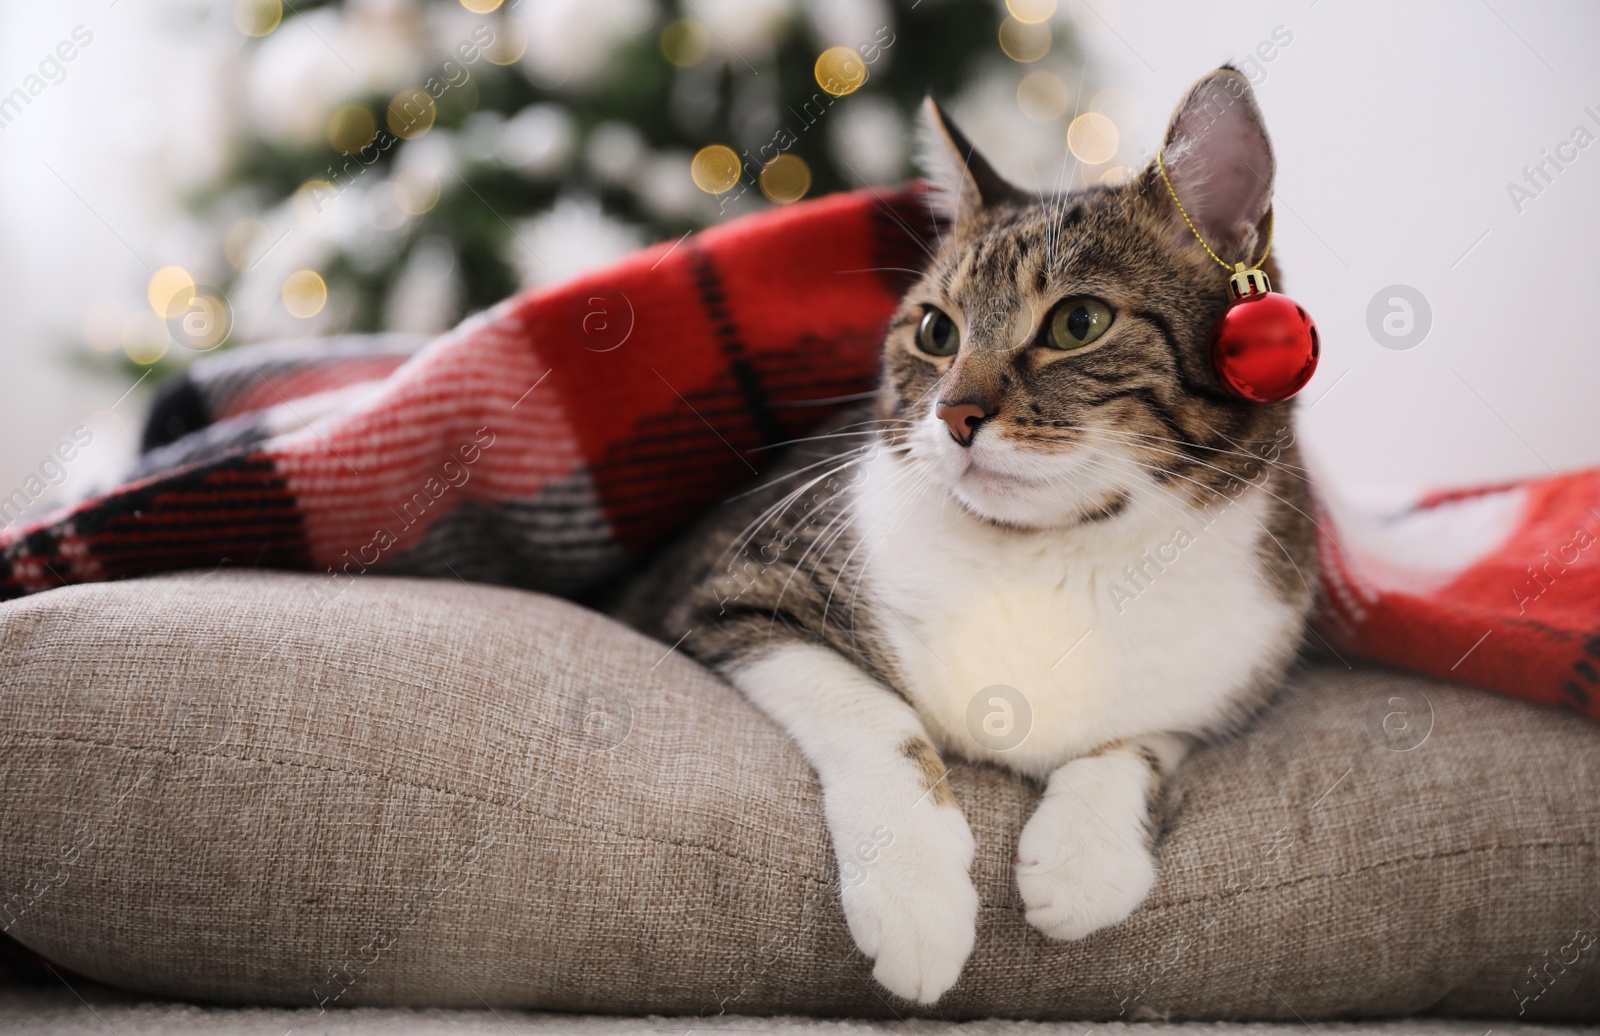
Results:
62 1012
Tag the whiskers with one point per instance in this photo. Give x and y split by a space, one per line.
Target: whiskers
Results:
855 430
1240 450
1188 508
1138 440
835 465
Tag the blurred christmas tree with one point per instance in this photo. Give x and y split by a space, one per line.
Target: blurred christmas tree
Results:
397 164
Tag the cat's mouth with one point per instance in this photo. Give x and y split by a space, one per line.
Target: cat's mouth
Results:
995 478
1012 481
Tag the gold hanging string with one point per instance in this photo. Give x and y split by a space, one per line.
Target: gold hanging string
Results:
1161 165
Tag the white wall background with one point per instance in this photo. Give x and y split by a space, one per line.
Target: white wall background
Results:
1397 127
83 215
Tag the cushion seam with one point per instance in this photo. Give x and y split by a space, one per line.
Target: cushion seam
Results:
1220 898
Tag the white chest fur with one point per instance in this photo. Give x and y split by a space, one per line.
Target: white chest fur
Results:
1148 622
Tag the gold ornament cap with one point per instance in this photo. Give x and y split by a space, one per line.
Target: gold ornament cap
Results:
1244 282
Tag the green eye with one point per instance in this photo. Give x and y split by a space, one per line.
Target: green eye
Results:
937 334
1077 322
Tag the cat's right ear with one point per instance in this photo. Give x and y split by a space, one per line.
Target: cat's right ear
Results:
963 181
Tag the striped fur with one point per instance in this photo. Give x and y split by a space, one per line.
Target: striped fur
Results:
885 581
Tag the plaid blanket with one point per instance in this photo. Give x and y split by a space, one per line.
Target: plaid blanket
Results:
554 440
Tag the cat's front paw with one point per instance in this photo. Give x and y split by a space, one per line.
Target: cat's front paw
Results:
909 900
1083 860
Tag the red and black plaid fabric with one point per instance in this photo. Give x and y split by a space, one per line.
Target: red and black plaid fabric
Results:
544 444
1496 586
554 440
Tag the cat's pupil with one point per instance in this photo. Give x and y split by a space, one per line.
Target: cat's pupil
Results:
937 334
1079 322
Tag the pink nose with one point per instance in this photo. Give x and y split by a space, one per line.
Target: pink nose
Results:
963 419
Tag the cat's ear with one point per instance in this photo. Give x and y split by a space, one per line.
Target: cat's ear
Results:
1219 161
963 181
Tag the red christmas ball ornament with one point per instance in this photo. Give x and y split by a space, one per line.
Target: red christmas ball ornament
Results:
1265 347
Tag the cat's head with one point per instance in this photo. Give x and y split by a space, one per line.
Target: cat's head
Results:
1054 357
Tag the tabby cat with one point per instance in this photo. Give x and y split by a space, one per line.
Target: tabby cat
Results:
1053 543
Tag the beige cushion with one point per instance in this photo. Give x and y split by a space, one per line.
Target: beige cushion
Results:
232 787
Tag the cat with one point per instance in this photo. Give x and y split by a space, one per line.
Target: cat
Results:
1051 543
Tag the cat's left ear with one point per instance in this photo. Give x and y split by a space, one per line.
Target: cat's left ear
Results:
963 181
1219 161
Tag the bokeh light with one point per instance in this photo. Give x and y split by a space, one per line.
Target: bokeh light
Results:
509 44
385 205
786 179
1024 42
1117 175
840 71
205 323
1031 12
147 339
411 113
1093 138
416 193
481 6
351 128
305 293
1043 96
169 291
685 42
715 169
257 17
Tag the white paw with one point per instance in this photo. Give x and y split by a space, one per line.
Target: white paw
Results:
1082 860
909 900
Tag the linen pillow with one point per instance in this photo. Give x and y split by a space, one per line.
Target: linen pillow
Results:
238 787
